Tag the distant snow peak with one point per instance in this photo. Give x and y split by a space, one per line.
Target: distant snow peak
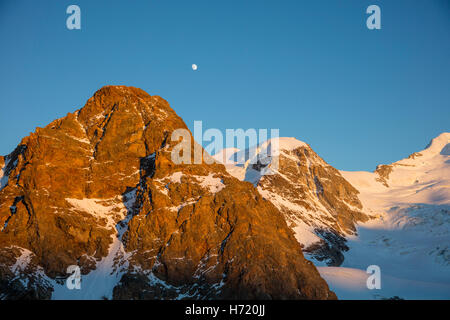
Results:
423 177
268 148
288 173
439 143
289 143
412 200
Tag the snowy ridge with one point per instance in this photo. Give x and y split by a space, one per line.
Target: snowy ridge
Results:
410 239
281 169
267 150
239 163
423 177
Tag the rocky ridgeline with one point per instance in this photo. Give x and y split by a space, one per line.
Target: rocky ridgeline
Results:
98 189
319 205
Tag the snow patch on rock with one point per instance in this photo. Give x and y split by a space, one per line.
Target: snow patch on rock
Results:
100 208
210 182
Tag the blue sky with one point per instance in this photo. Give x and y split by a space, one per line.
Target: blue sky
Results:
312 69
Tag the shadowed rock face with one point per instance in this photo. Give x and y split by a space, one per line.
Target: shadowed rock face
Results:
98 189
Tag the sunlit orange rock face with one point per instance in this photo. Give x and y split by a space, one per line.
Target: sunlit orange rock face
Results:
98 188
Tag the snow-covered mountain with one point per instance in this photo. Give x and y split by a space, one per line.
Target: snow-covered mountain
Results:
403 225
410 238
423 177
97 189
318 203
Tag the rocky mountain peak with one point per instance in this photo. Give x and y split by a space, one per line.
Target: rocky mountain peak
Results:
98 189
318 204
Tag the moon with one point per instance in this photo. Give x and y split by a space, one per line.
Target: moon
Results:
194 67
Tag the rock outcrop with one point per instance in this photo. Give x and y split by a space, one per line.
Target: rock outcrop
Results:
98 189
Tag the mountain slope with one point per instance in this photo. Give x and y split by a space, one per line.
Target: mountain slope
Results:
319 205
408 203
409 240
423 177
97 189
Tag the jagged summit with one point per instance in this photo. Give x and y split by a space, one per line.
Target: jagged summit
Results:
122 91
